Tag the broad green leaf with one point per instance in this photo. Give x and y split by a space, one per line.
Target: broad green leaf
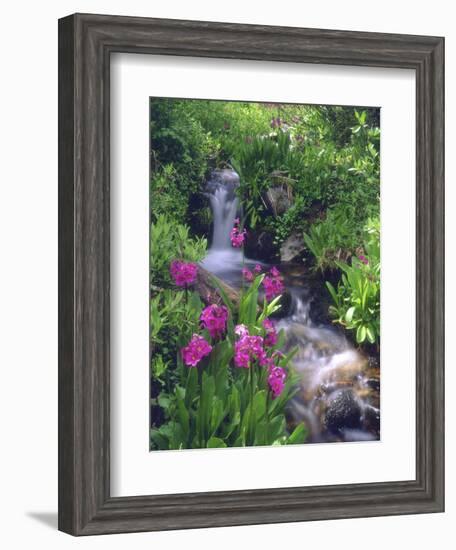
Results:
159 439
217 414
215 442
349 314
259 405
361 334
299 435
191 387
370 332
184 418
332 291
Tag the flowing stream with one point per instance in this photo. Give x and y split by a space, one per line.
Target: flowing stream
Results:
339 388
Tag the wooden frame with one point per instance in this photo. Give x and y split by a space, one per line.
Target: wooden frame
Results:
85 45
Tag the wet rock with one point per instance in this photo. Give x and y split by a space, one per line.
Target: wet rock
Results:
343 411
279 199
373 383
292 247
371 419
260 245
373 362
205 286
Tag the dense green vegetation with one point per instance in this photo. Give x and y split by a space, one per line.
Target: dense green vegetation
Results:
324 160
219 404
307 173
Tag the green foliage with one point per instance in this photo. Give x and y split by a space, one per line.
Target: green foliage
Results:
166 194
258 161
181 150
218 405
170 240
174 317
169 309
292 220
230 123
325 157
356 302
334 238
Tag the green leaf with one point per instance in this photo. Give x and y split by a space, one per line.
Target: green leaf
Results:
261 433
259 405
192 386
332 291
361 334
370 334
159 439
298 436
276 428
240 441
349 314
217 414
183 415
215 442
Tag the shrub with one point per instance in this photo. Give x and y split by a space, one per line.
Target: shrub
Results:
166 195
356 302
334 238
169 240
181 152
174 317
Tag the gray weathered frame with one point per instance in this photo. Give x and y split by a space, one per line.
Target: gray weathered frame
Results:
85 45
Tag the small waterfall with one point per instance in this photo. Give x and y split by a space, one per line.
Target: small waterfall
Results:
224 203
222 259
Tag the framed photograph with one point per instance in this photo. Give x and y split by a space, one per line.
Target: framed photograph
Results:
251 274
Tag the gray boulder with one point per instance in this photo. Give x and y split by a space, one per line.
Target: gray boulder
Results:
292 247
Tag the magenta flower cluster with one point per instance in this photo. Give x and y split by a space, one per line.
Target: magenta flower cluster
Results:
251 348
271 334
213 318
196 349
273 284
247 350
276 380
237 235
250 275
363 259
183 273
247 274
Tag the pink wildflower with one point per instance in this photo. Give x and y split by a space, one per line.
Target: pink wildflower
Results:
247 350
241 330
237 235
257 268
183 273
196 349
213 318
273 284
247 274
274 272
363 259
276 380
271 334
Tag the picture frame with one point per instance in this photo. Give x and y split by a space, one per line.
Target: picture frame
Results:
85 45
